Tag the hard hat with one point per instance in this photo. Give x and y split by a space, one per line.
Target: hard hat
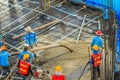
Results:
26 56
26 45
98 32
3 48
95 47
58 68
28 29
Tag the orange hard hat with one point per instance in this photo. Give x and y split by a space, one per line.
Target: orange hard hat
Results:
58 68
3 48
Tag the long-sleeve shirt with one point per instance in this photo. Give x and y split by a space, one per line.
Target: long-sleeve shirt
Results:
30 39
97 41
4 55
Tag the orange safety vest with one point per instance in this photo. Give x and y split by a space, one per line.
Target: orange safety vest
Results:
24 67
96 59
58 77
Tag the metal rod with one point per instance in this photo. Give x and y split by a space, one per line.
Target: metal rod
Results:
29 19
21 25
80 31
79 17
11 7
93 19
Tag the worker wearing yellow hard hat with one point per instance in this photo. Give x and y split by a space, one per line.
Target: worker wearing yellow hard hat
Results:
58 69
58 75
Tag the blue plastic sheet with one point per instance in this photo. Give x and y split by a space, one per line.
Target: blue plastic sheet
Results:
104 4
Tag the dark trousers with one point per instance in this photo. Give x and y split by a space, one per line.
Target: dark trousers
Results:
96 70
27 77
5 70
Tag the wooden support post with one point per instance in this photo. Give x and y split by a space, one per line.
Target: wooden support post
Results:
38 28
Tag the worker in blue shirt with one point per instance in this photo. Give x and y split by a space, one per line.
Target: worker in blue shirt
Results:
30 37
4 62
26 52
97 39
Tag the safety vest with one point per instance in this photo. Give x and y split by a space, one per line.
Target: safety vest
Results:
24 67
58 77
96 59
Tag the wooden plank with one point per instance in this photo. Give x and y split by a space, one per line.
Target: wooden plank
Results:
38 28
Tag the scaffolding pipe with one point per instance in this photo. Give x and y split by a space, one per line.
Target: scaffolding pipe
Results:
80 31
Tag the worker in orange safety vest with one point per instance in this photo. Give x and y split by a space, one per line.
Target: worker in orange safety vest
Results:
58 75
25 67
96 60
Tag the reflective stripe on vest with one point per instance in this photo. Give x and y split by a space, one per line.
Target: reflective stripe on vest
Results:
97 59
24 67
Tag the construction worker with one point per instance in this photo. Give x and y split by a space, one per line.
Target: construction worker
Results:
30 37
96 60
58 75
4 62
25 67
97 39
26 52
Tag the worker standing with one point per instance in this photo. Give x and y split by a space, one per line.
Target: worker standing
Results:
58 75
4 62
96 61
25 67
26 52
30 37
97 39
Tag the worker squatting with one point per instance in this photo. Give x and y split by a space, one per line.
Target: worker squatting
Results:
25 57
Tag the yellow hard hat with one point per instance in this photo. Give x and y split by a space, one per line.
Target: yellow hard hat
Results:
26 56
58 68
95 47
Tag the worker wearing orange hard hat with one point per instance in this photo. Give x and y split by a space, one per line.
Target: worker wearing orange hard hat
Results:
4 61
58 75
